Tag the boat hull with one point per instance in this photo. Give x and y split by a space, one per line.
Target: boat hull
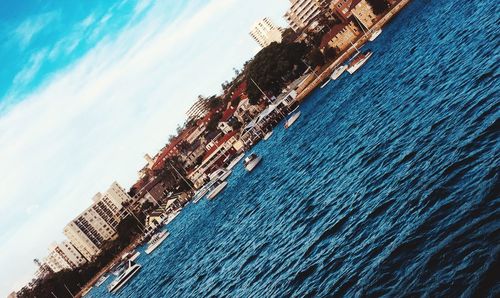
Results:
375 34
352 69
118 285
252 164
338 72
292 119
157 243
216 190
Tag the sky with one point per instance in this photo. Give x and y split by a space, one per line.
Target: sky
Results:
87 88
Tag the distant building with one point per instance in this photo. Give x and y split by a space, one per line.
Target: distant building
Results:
98 223
64 256
264 32
198 109
340 36
12 295
301 13
363 13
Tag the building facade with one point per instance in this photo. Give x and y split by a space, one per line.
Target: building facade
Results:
264 32
301 13
340 36
364 14
98 223
198 109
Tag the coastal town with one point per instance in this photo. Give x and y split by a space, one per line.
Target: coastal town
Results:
322 43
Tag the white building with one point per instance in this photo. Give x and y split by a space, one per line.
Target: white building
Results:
264 32
97 224
301 13
64 256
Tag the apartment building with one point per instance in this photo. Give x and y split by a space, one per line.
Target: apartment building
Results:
301 13
264 32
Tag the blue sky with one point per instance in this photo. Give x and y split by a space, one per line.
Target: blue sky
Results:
87 88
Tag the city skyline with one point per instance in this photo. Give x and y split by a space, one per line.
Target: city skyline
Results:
46 107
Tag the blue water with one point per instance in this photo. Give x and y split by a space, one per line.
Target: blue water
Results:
388 184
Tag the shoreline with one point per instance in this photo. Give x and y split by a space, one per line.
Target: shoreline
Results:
312 84
345 55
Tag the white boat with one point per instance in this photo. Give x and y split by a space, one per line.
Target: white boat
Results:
293 111
374 34
218 187
131 269
338 72
268 135
200 193
156 240
358 61
171 216
292 119
135 256
235 161
325 83
101 280
220 174
251 162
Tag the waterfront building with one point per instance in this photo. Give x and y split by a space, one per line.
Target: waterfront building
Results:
340 36
264 32
363 13
214 158
98 223
301 13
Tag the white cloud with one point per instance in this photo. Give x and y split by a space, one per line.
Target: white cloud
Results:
28 29
92 122
26 74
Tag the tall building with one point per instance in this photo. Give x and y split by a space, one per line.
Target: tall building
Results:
301 13
64 256
198 109
264 32
98 223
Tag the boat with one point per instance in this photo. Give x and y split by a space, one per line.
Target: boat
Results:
293 111
358 61
292 119
216 189
156 240
200 193
325 83
251 162
338 72
135 256
268 135
101 280
171 216
374 34
131 269
235 161
220 174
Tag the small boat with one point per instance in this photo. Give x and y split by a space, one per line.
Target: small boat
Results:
156 240
200 193
374 34
293 111
358 61
292 119
217 188
251 162
101 280
220 174
171 217
325 83
131 269
135 256
235 161
268 135
338 72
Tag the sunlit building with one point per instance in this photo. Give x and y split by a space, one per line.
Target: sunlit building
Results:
264 32
301 13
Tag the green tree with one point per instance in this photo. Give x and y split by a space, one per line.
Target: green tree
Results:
379 6
316 58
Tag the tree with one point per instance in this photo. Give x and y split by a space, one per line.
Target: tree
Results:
273 67
214 102
214 121
316 58
235 101
330 53
379 6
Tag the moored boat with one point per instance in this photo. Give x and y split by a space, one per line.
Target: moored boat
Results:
338 72
217 188
156 240
374 34
251 162
268 135
358 61
292 119
235 161
131 269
